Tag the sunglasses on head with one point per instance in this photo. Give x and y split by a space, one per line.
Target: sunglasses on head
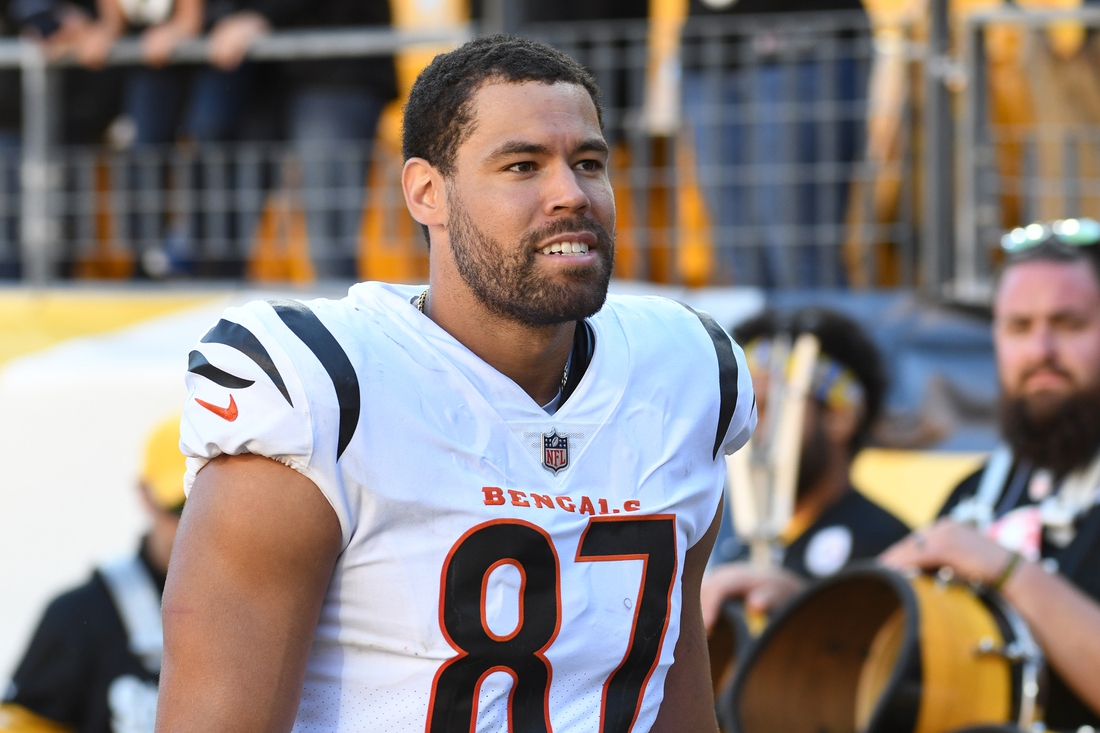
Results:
1069 232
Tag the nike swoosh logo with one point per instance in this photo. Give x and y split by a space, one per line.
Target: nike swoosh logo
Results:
226 413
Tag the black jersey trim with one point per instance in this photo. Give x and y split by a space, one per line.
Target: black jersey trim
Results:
727 375
197 364
240 338
584 346
308 327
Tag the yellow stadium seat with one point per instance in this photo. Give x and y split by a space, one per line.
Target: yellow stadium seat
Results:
17 719
911 484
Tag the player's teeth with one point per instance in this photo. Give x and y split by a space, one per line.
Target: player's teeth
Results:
565 248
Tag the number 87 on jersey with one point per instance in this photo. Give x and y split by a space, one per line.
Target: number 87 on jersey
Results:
521 652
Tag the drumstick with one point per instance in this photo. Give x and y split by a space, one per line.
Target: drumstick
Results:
762 471
759 509
787 446
741 496
778 359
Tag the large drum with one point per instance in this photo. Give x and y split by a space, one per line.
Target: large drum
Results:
873 651
729 642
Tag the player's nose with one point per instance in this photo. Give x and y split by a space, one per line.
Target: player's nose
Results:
565 192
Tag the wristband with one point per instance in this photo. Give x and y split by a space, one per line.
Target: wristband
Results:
1010 567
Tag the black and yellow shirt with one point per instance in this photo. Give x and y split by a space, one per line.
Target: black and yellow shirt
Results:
79 669
1078 561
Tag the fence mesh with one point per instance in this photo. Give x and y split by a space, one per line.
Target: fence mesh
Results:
761 180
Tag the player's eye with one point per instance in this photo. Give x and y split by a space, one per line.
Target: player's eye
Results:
525 166
1071 321
591 165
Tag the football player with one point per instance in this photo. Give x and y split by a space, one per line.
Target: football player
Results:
482 505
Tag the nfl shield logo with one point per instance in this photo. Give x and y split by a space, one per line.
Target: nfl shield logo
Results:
555 451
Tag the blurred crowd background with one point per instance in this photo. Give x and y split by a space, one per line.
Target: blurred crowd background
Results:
793 144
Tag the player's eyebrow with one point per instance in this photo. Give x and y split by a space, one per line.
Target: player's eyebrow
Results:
516 147
593 145
519 147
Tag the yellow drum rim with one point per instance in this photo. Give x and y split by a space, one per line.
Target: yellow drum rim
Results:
942 626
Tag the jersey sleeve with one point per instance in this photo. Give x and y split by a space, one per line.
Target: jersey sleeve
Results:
736 399
743 422
246 394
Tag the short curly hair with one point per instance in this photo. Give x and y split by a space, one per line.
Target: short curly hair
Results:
841 338
438 117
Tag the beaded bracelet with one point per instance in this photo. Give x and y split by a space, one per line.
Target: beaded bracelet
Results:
1014 559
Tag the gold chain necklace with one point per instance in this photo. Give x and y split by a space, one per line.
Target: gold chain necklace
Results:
423 298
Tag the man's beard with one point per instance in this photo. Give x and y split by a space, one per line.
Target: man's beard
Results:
814 458
508 283
1060 435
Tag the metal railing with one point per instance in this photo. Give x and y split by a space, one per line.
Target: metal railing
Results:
765 181
1029 133
41 162
768 168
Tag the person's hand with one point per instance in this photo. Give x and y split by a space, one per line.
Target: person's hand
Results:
233 36
762 589
73 23
93 44
969 554
158 42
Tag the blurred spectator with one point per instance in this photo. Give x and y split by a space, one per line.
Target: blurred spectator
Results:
770 115
621 85
94 661
92 99
332 111
162 102
833 524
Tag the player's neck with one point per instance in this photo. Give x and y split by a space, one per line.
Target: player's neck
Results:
533 357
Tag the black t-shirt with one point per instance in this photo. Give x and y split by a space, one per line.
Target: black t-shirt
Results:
854 528
1079 562
78 652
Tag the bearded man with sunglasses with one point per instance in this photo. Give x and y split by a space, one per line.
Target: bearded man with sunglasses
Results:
1028 524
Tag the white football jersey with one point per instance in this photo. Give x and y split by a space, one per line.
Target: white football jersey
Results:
502 569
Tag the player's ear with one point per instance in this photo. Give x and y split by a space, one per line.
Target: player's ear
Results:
424 192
